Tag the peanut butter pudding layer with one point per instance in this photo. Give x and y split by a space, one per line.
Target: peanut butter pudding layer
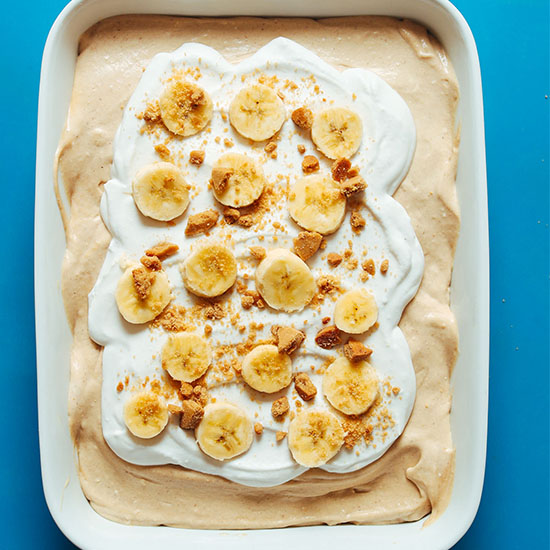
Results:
260 242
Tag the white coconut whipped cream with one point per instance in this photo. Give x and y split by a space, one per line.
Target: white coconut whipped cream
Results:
384 158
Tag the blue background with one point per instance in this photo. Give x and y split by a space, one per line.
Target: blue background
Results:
513 42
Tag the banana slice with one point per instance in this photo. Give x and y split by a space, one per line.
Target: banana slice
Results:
210 270
160 191
267 370
355 311
316 204
145 414
237 180
185 108
257 112
337 132
186 356
141 294
285 281
225 431
350 387
314 437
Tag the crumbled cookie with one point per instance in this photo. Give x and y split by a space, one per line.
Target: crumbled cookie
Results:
247 301
151 262
279 436
339 169
201 222
325 320
328 284
220 179
228 142
191 414
357 221
301 148
207 330
279 408
355 351
302 117
334 259
152 113
162 151
246 221
328 337
173 409
270 147
257 252
172 319
252 298
214 311
352 186
304 386
143 281
162 250
310 164
306 243
231 215
384 267
200 395
196 157
186 390
369 267
287 339
258 428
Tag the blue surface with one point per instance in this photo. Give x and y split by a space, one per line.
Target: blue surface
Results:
513 43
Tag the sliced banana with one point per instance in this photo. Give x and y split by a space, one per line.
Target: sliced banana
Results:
316 204
267 370
355 311
136 309
210 270
225 431
186 356
185 108
257 112
337 132
350 387
237 180
160 191
285 281
314 437
145 414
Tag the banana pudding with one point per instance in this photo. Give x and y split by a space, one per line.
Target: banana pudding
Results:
249 295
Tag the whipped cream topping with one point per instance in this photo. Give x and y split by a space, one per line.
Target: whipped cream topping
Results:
384 157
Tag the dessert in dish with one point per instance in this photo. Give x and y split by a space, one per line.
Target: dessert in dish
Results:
248 319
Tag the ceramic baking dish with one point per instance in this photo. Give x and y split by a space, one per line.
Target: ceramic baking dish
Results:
469 291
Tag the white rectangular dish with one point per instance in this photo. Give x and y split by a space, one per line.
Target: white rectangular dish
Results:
469 294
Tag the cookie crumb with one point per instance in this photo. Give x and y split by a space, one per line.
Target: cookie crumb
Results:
304 386
306 243
143 281
357 221
247 302
201 222
162 250
152 113
369 267
120 387
207 330
334 259
384 267
279 436
258 428
328 337
231 215
287 339
191 415
310 164
301 148
186 390
162 151
270 147
220 179
352 186
339 169
151 262
302 117
196 157
200 395
246 221
257 252
325 320
355 351
228 142
279 408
